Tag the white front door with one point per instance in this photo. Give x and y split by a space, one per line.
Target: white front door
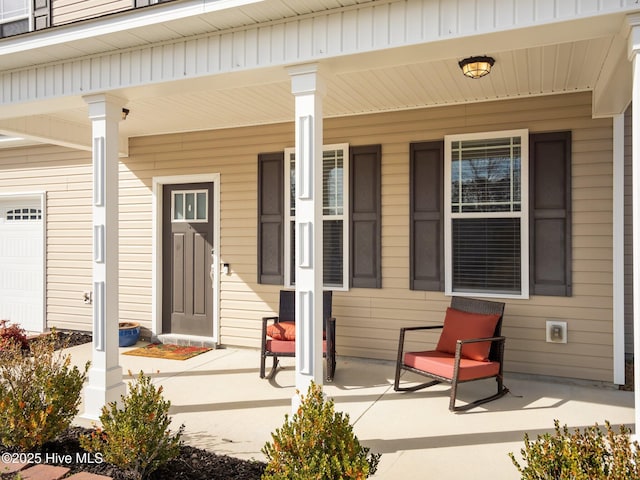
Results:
22 261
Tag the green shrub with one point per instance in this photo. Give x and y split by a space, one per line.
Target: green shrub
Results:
136 437
317 443
587 455
13 333
39 393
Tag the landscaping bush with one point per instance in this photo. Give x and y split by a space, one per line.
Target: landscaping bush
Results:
39 393
317 443
13 333
587 455
136 437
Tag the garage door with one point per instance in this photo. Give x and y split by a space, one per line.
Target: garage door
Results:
22 262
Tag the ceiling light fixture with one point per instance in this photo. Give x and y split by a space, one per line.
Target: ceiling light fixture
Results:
476 67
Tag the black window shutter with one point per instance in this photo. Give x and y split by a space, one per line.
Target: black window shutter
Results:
550 213
426 216
365 216
271 218
41 14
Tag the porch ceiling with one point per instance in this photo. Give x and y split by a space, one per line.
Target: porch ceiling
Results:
585 55
359 86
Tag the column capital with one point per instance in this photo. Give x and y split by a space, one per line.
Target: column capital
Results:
101 104
306 78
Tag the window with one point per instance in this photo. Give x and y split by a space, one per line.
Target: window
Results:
14 17
486 214
189 206
334 215
21 214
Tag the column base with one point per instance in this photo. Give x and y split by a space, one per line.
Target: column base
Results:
105 386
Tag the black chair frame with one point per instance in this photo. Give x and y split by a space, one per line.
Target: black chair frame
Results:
496 354
287 312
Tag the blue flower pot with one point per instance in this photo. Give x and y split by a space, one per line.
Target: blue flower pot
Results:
129 333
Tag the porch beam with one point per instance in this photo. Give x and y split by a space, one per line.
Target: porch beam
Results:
308 88
105 375
55 131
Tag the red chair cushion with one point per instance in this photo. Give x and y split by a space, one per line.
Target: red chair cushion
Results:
287 346
441 364
459 325
282 331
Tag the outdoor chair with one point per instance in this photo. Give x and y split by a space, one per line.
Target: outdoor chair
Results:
278 334
470 348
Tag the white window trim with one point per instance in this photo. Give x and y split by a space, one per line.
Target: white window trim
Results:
523 214
345 216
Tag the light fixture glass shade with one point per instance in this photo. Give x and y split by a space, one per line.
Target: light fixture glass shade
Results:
476 67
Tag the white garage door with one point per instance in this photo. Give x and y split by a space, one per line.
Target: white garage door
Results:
22 261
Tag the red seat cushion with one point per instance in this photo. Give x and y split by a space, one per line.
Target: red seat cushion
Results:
282 331
287 346
459 325
441 364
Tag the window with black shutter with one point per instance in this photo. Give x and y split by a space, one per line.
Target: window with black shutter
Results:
480 246
351 210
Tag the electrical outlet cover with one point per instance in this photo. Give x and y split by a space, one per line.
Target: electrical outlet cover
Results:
556 331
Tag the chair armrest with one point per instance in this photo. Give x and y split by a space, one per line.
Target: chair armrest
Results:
404 330
477 340
459 343
425 327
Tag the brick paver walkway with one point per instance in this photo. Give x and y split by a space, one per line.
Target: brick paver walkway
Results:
45 472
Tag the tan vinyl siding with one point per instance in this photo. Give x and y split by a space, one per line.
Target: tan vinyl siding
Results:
65 176
368 320
67 11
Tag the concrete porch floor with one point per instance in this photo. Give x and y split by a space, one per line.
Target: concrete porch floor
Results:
228 409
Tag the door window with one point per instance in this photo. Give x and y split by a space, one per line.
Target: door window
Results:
189 206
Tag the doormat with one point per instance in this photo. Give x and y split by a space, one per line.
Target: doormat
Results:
168 351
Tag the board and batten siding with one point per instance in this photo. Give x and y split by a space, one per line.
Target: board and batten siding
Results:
67 11
369 319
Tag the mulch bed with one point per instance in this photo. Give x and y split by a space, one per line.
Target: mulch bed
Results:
191 464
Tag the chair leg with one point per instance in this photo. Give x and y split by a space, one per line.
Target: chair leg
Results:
331 367
274 368
263 359
414 388
502 391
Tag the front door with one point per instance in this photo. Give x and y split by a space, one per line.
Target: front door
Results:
187 305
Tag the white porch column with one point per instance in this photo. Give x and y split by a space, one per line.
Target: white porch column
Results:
307 87
618 250
634 50
105 375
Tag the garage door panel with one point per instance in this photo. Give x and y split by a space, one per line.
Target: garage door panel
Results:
22 262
